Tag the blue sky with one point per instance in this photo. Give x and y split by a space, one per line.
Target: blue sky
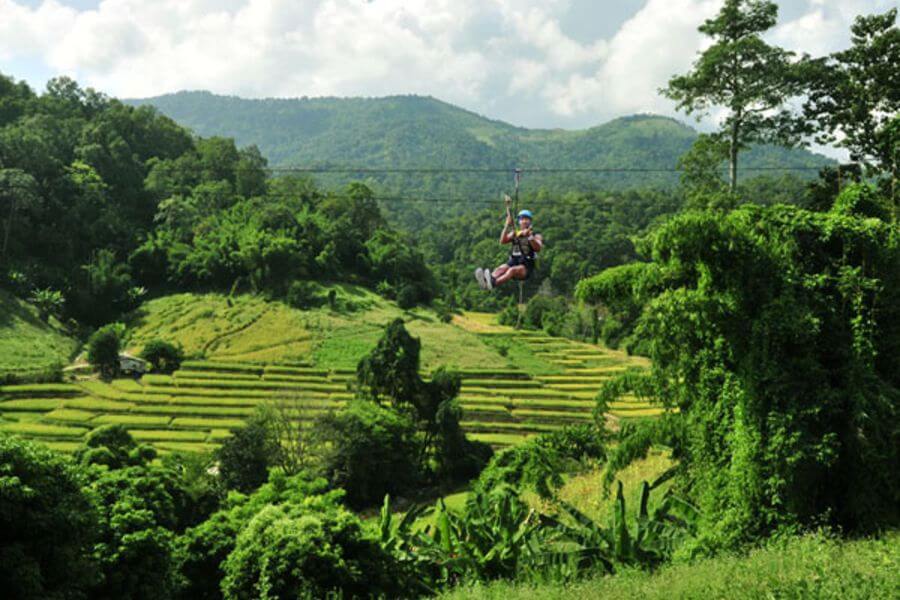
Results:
536 63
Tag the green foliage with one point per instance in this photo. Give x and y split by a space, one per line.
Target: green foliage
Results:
305 551
622 291
245 457
368 451
852 97
47 524
103 351
773 332
540 463
164 357
862 200
113 446
141 510
304 295
742 73
391 371
321 546
48 302
814 566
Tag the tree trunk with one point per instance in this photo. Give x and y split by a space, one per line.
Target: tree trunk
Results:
12 211
733 155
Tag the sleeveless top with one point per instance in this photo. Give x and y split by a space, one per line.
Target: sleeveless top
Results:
520 246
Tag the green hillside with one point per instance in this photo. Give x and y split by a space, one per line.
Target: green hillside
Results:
27 344
516 384
415 131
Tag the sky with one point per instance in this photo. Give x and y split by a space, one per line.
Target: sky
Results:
534 63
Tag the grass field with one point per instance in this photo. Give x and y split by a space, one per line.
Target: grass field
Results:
27 344
515 384
813 566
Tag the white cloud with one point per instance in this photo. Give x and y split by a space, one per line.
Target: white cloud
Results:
510 59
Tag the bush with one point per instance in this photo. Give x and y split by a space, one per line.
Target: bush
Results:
47 524
164 357
542 312
407 296
203 549
304 295
113 446
141 510
540 463
245 457
862 200
103 351
298 552
48 302
368 451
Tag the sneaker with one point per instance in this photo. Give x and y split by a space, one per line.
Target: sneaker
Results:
488 280
479 275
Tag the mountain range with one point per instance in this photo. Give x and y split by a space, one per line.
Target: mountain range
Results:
415 132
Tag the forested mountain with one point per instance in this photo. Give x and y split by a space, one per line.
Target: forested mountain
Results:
423 132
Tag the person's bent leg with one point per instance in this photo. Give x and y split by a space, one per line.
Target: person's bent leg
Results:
500 271
517 272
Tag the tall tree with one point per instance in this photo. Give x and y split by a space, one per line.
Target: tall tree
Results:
740 72
18 190
854 95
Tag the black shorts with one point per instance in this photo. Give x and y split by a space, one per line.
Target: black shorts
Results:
516 260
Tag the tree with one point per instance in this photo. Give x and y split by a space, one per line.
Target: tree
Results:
47 524
107 286
391 370
368 451
740 72
103 351
774 333
113 446
701 173
245 457
141 510
853 96
18 190
164 357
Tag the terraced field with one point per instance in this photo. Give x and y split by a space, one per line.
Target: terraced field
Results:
545 384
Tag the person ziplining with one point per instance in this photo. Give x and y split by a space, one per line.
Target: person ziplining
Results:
524 246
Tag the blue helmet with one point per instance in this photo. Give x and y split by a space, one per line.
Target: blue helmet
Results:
524 213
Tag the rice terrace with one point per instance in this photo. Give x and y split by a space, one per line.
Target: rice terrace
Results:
504 299
196 407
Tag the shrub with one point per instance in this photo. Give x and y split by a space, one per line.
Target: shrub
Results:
407 296
386 290
47 524
540 463
113 446
304 295
164 357
862 200
48 302
245 457
141 509
203 548
368 451
103 351
544 312
293 551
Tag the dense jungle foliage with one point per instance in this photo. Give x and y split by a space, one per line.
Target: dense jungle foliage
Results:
770 310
